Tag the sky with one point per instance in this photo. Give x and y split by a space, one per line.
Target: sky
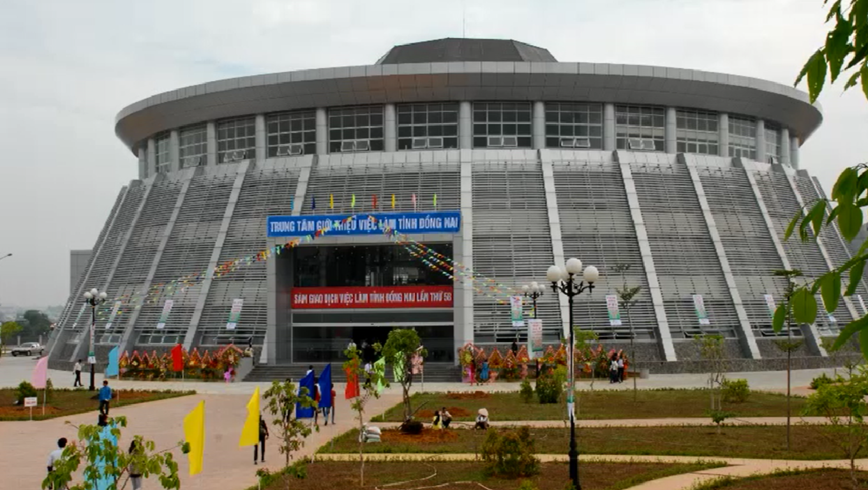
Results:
67 68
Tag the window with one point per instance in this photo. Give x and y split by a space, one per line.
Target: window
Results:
161 152
571 125
498 125
645 126
236 139
696 132
291 133
193 146
427 126
356 129
773 142
742 137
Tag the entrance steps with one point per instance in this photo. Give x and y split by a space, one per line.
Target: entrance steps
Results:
435 372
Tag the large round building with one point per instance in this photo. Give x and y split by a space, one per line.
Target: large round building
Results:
491 153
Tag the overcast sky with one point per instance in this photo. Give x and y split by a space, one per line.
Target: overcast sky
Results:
68 67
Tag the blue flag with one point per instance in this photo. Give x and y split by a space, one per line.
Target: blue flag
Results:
325 387
103 481
112 369
305 413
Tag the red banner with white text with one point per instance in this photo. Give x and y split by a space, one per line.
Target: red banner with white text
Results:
372 297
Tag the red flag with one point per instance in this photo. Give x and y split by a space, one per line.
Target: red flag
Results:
177 358
352 389
374 201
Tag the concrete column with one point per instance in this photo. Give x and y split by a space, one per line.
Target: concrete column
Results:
211 134
174 151
555 229
785 146
322 131
190 336
152 157
463 330
761 141
664 335
671 127
794 152
746 336
390 129
143 163
723 134
539 125
609 127
465 126
261 151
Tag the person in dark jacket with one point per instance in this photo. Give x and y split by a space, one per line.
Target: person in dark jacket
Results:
263 435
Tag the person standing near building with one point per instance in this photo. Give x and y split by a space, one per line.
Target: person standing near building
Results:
334 403
263 435
105 397
77 371
620 367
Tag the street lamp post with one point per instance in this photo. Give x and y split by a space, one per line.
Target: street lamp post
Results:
93 298
566 282
533 291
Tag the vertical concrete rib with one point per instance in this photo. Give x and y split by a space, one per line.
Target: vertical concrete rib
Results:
152 157
671 129
747 337
464 331
211 143
785 146
761 141
322 131
465 126
794 152
608 127
259 125
143 163
663 332
723 134
215 254
390 128
539 125
545 158
174 151
167 232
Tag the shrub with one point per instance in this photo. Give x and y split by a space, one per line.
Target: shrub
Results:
526 391
527 485
550 386
24 390
735 390
510 454
412 427
819 381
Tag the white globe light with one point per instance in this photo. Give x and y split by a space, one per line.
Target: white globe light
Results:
94 292
87 295
574 266
534 287
591 274
554 274
525 288
103 295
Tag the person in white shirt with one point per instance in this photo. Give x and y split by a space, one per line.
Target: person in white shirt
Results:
77 370
54 456
620 368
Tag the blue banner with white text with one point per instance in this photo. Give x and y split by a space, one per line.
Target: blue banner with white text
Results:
408 223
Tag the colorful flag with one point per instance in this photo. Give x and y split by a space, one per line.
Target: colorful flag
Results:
103 480
325 387
177 358
352 389
250 431
194 434
414 201
374 201
40 373
305 413
312 203
393 201
331 201
435 201
380 369
353 201
398 367
113 368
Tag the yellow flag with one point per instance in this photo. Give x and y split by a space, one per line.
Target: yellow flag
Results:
194 434
250 432
393 201
331 201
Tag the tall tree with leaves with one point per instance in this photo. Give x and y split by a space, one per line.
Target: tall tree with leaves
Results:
7 331
784 318
627 298
373 379
282 399
401 346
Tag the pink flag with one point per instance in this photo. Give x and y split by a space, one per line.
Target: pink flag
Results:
414 202
40 373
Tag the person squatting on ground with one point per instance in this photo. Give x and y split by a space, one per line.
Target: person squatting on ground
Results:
105 397
77 371
263 435
481 419
437 423
445 418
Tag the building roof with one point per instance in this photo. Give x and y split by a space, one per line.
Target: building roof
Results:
461 49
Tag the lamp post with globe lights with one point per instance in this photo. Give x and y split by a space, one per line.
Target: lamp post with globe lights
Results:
533 291
93 298
566 282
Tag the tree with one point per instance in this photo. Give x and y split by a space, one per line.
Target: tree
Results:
282 399
788 345
401 346
585 351
106 461
37 323
828 344
7 331
711 348
843 404
627 297
369 389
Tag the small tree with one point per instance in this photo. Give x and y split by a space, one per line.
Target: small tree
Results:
828 343
401 346
784 318
711 348
7 331
105 461
627 298
843 404
282 399
354 368
584 351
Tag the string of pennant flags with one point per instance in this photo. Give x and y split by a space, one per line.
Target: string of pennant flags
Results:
375 201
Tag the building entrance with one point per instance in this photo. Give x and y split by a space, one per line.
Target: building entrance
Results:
327 343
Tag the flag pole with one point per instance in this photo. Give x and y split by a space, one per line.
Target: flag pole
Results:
44 398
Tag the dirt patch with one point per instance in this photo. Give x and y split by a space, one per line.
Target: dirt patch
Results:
25 412
456 412
426 437
476 395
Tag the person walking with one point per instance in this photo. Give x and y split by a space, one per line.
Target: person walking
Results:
77 371
316 399
105 397
56 455
263 435
613 369
135 467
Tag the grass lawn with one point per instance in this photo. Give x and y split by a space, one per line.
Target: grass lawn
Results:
63 402
327 475
762 442
823 479
651 404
